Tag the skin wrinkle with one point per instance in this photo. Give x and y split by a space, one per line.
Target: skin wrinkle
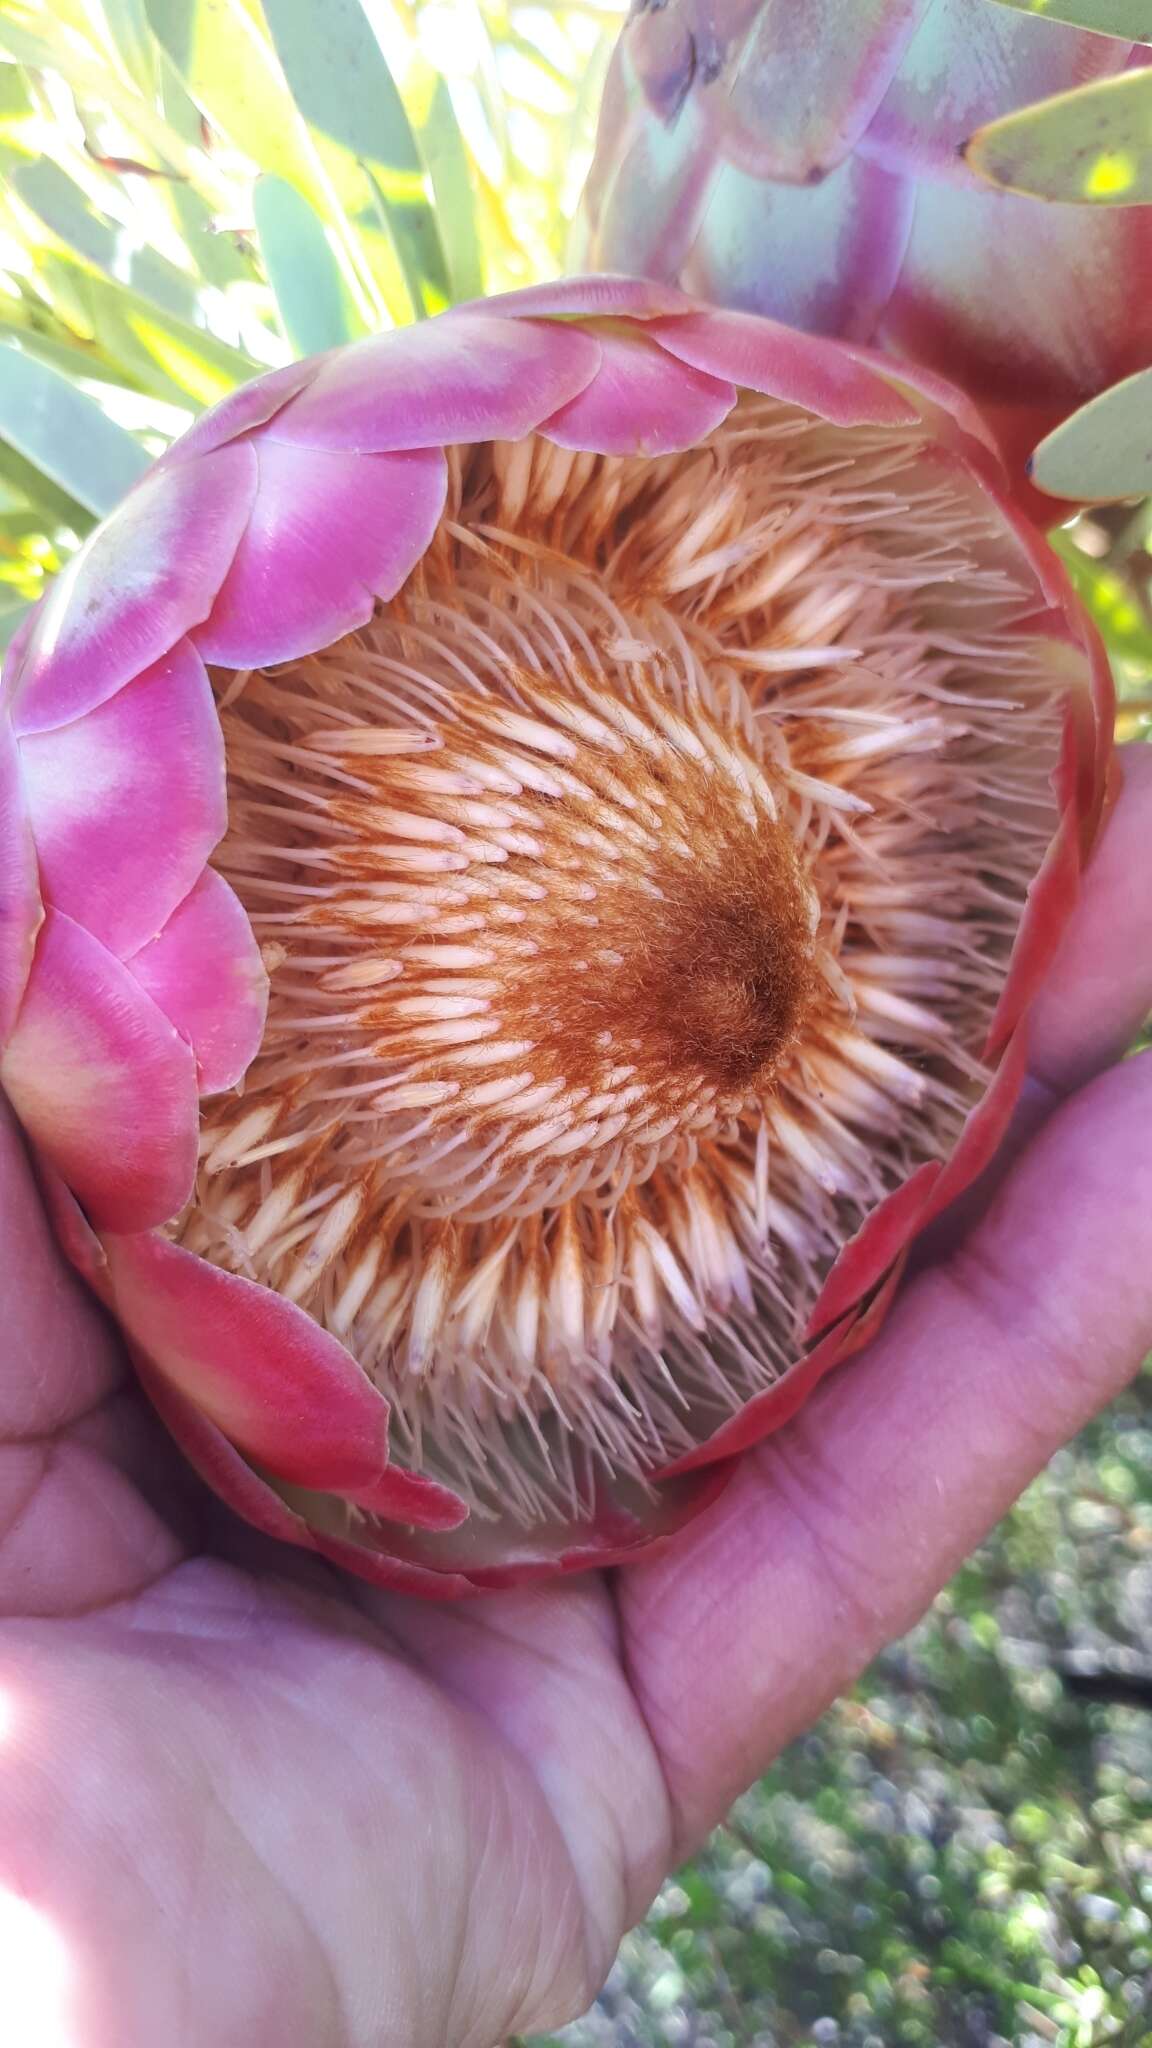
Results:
76 1506
51 1433
422 1629
853 1648
303 1919
14 1513
400 1947
514 1998
191 1975
638 1894
132 1834
361 1755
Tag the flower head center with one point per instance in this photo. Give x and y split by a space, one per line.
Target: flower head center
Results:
636 888
571 930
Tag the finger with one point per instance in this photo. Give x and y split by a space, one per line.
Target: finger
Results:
58 1357
837 1533
1099 992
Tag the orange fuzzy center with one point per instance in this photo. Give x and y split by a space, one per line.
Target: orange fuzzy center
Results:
636 890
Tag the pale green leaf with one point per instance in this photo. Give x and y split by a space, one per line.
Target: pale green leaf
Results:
104 243
1105 450
65 434
15 104
123 27
221 257
346 92
56 507
12 617
412 229
302 270
1128 19
1093 145
367 224
446 156
341 83
93 81
165 356
231 71
74 358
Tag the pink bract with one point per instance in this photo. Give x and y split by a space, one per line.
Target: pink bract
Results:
132 983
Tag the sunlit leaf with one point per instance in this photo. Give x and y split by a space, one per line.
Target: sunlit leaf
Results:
1128 19
97 82
12 617
176 362
104 243
1112 601
14 101
231 71
1105 449
65 434
446 155
221 256
72 357
1093 146
123 25
336 71
346 92
314 306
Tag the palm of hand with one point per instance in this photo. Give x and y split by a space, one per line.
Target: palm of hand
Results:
258 1803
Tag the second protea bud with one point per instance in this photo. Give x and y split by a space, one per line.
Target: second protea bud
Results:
804 159
492 1034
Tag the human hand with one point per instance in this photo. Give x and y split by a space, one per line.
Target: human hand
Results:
246 1803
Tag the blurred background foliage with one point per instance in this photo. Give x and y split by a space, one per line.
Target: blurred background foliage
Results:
192 191
960 1853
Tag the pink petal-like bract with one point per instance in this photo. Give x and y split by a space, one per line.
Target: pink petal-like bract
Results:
806 162
526 849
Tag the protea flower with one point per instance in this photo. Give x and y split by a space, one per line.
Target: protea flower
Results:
806 162
527 846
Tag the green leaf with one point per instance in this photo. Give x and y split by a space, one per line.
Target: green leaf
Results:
174 361
344 89
126 36
15 104
221 257
1112 601
64 209
446 156
336 71
12 617
74 358
56 507
1105 450
1093 145
1125 18
95 82
65 435
302 270
231 71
